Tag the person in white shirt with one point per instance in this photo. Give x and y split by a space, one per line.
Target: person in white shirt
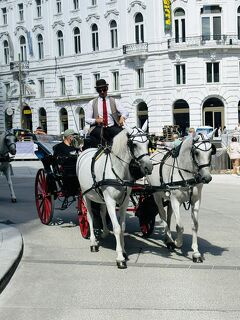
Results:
104 125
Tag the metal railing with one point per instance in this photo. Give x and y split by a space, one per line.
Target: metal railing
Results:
204 41
135 48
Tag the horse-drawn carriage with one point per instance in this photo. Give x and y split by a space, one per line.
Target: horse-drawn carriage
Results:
57 180
104 176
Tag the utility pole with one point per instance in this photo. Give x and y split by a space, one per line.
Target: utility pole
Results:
20 82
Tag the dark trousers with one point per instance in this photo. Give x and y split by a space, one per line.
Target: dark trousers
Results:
102 135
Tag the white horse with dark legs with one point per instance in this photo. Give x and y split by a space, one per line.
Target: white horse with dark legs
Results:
104 178
182 177
7 145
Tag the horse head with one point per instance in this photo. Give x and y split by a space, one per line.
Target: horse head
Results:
138 146
10 142
202 151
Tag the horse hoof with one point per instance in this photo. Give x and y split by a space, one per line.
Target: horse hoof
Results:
197 259
171 246
121 264
125 256
14 200
94 248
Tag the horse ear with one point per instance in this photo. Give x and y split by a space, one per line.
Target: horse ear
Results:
210 134
145 126
128 129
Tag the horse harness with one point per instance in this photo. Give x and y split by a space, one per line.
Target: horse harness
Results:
118 182
5 156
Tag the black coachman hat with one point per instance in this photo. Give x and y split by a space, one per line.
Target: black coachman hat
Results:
101 83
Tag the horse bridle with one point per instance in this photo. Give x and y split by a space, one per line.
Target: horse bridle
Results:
9 143
194 147
131 144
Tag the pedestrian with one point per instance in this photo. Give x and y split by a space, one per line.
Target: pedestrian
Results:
219 132
176 141
105 115
39 130
234 154
224 130
191 132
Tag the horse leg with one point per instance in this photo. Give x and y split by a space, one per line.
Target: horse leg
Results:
162 213
122 213
7 174
179 227
196 256
111 207
103 213
94 245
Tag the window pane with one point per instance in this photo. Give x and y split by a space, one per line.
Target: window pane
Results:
216 28
183 30
178 79
216 71
238 26
206 28
209 72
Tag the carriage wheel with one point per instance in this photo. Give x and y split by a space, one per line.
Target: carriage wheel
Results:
83 220
147 227
44 199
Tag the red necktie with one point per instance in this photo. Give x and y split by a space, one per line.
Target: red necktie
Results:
105 115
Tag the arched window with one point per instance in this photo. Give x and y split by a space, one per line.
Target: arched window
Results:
81 119
63 119
95 45
179 25
142 114
6 51
181 116
23 48
43 119
139 29
114 35
40 47
77 40
60 43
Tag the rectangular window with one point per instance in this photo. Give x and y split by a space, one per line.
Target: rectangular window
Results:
96 77
216 28
140 78
62 87
59 6
41 88
180 74
20 11
94 2
39 8
212 72
4 15
7 89
115 81
205 28
79 84
75 4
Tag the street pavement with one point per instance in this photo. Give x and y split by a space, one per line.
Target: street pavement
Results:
11 242
184 290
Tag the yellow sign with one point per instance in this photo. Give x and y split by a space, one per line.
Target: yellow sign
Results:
167 15
27 111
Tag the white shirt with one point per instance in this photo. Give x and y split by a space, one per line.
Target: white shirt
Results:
89 111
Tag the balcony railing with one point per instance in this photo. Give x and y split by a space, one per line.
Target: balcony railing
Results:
135 48
203 41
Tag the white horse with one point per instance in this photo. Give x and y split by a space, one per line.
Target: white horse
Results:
104 178
7 145
181 178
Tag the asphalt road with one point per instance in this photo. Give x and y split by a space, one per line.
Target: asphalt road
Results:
59 278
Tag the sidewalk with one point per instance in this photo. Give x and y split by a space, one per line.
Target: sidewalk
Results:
11 248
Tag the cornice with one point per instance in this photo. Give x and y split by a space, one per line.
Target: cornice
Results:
92 16
58 23
19 28
112 11
76 19
136 2
39 26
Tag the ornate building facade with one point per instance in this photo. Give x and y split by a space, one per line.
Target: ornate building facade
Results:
173 62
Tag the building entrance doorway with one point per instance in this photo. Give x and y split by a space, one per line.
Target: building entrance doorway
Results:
27 118
213 113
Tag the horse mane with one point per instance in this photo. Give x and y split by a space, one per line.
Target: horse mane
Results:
119 145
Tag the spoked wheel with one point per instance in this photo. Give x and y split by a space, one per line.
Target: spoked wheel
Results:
44 199
147 227
83 220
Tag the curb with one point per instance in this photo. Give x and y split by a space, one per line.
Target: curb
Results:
11 251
